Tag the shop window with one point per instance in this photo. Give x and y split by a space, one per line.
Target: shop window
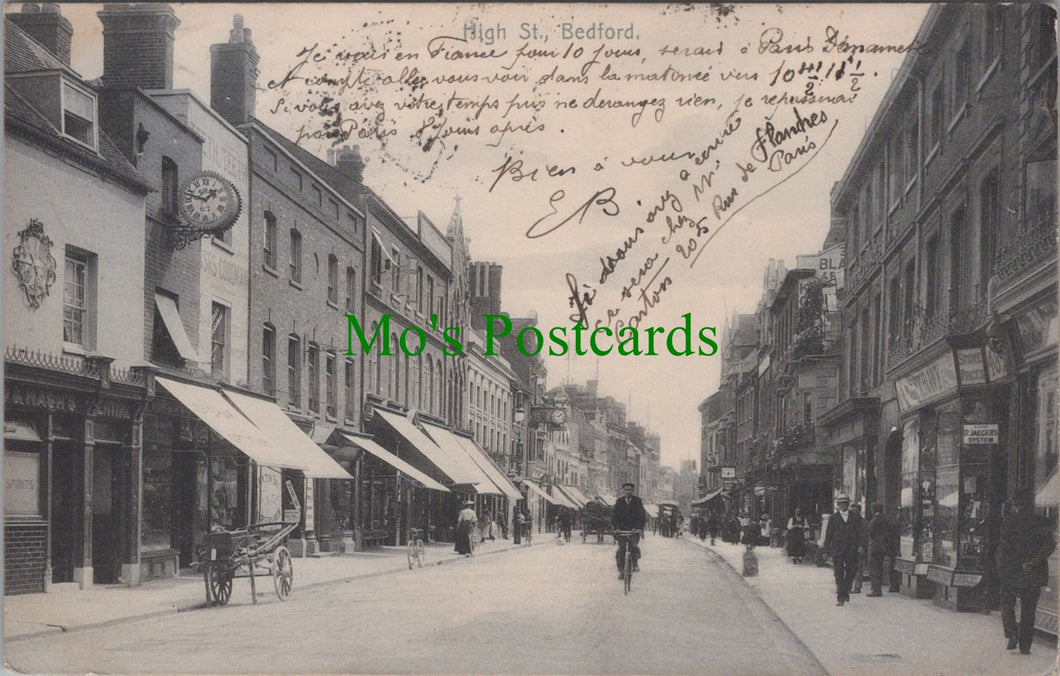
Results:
947 488
910 487
157 485
1045 455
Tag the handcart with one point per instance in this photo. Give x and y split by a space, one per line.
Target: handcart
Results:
256 550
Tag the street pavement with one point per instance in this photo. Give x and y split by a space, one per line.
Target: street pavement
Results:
545 609
891 634
537 609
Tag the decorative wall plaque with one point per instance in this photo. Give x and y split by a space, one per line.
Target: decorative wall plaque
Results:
33 263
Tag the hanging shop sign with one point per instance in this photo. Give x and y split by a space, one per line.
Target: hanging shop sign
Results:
927 384
981 434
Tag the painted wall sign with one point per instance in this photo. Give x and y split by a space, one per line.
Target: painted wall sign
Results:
21 484
970 366
928 383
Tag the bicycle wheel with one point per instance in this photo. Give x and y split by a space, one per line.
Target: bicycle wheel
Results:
627 569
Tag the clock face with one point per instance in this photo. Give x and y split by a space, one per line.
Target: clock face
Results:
559 416
209 201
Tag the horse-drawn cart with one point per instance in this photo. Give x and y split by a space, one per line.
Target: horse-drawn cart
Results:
257 550
596 520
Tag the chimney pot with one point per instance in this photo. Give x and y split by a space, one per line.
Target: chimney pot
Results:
49 28
30 8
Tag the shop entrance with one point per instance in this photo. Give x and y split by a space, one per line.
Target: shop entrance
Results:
68 494
108 512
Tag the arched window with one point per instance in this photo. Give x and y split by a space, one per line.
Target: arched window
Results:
333 279
269 244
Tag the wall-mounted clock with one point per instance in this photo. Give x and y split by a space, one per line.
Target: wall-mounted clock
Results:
208 201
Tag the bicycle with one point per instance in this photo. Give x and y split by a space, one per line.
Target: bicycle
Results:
626 540
416 554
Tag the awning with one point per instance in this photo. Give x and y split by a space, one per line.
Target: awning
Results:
568 492
652 510
445 440
608 500
282 431
537 489
1046 495
230 423
707 498
561 499
486 464
395 462
439 458
167 309
576 493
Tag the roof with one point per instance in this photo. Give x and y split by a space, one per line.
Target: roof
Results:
24 55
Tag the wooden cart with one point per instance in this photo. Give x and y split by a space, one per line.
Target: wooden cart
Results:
257 550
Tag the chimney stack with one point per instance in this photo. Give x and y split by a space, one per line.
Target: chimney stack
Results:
234 75
46 24
138 45
351 164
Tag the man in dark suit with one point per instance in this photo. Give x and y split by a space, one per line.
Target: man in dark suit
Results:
843 541
1022 565
628 514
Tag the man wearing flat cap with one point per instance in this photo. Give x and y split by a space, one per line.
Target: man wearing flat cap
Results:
843 542
1022 566
628 514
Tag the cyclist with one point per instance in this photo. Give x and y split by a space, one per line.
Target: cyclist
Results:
628 514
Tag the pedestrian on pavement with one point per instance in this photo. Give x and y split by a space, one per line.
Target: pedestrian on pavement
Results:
878 533
564 524
751 532
628 514
765 525
859 572
465 528
485 527
797 536
842 541
713 524
1022 566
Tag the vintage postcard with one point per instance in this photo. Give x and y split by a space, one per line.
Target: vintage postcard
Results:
530 338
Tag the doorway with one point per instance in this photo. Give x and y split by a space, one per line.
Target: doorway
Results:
108 512
67 508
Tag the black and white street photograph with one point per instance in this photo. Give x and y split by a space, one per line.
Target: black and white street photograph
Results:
530 338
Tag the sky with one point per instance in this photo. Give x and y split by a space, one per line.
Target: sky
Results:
692 73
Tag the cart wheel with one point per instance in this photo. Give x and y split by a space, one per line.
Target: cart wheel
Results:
282 572
219 583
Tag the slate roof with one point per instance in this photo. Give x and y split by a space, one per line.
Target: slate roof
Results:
23 55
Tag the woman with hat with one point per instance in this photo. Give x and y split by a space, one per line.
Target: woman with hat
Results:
465 526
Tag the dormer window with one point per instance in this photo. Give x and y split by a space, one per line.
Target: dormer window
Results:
79 115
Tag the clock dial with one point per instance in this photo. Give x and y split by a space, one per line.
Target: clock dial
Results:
209 201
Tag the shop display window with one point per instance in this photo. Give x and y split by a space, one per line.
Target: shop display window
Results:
947 489
910 487
1046 446
157 502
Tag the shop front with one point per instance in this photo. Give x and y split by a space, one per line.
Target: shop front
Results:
71 472
953 477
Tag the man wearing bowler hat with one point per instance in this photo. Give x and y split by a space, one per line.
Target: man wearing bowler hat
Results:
628 514
843 541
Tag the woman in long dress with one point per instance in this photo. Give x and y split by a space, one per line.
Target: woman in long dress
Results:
797 536
465 528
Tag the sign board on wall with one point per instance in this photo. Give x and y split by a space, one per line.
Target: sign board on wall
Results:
970 366
981 434
270 495
927 384
728 472
21 484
